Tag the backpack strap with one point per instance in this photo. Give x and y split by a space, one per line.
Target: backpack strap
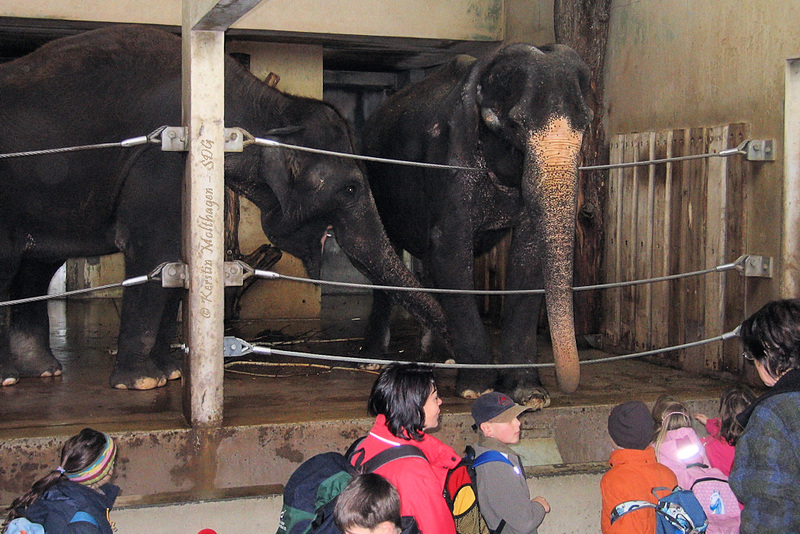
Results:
491 456
389 455
628 506
84 517
697 464
662 488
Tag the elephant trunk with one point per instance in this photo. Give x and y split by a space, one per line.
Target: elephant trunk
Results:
550 192
361 236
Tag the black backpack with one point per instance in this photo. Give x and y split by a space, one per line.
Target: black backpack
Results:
310 493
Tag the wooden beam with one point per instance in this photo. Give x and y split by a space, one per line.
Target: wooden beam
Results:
203 219
218 15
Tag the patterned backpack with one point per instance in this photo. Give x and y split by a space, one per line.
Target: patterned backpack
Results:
461 494
718 501
678 512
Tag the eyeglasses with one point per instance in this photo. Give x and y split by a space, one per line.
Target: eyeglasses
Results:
747 355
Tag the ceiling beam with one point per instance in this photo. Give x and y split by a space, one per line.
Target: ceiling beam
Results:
219 15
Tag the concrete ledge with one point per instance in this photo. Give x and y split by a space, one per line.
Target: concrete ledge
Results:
573 492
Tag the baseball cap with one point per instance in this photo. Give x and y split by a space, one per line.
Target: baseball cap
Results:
495 407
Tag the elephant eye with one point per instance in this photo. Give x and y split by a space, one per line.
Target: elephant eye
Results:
350 190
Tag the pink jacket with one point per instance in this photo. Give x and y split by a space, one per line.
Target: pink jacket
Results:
419 483
720 452
682 448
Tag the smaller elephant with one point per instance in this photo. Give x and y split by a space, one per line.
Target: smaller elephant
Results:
517 117
125 81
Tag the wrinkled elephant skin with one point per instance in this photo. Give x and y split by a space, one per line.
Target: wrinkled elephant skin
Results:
122 82
519 114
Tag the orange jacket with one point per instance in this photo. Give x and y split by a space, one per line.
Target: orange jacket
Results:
632 477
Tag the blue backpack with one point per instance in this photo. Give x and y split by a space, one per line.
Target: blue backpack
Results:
678 512
21 525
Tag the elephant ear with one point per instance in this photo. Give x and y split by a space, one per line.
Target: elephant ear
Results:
283 164
466 114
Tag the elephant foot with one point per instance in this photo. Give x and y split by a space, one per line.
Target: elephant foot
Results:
149 377
170 365
536 398
525 388
472 395
31 359
8 375
472 383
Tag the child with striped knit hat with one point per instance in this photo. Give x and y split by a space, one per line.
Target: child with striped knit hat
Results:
76 496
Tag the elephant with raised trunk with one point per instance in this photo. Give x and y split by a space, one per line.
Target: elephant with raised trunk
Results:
515 121
123 82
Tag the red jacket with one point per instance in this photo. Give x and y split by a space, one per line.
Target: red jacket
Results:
632 477
419 483
720 453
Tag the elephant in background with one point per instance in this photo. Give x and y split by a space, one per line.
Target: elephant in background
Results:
516 117
122 82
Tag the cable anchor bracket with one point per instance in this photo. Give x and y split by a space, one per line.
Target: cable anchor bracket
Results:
176 139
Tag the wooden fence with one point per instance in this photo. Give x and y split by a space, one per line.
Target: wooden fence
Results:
672 218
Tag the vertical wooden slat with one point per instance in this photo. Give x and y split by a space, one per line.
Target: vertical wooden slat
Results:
739 169
675 183
611 297
716 244
642 260
694 250
627 243
660 303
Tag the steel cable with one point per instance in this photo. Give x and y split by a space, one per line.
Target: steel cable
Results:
271 275
268 351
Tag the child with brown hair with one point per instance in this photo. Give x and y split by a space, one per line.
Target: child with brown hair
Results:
724 431
75 497
369 504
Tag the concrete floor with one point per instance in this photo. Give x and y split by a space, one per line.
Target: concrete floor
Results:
271 423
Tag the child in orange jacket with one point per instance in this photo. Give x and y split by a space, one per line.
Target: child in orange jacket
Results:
634 470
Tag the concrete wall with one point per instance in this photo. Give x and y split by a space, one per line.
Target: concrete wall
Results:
676 64
260 514
438 19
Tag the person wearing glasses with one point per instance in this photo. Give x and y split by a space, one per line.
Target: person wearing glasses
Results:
766 468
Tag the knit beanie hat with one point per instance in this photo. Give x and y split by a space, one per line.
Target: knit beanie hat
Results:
630 425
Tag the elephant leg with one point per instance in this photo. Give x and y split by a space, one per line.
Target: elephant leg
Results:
162 353
29 324
520 321
378 334
9 264
148 225
142 310
450 265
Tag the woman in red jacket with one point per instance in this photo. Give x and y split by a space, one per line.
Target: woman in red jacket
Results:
405 401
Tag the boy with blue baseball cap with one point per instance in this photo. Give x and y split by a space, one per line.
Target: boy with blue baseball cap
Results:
503 495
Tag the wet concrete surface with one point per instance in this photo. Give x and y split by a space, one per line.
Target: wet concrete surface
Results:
274 415
84 339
